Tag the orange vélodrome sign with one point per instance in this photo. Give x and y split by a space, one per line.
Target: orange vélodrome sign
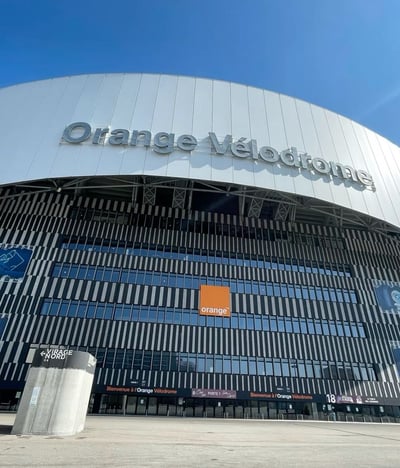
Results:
215 300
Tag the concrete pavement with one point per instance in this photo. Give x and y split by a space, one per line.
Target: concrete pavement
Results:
109 441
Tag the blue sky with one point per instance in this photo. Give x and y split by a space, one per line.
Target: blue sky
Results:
341 54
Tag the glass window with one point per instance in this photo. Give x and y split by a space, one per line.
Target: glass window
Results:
353 297
332 294
45 310
169 316
347 329
201 363
325 327
301 368
339 295
303 326
243 365
81 310
334 370
128 359
281 324
346 296
348 371
340 329
260 366
185 317
235 365
311 328
354 329
268 367
285 368
317 370
318 327
325 292
332 328
63 310
235 320
296 325
364 373
156 360
182 362
265 323
277 367
91 310
109 362
191 362
325 370
252 366
309 370
242 321
356 372
361 330
218 364
152 314
273 324
250 322
119 358
288 325
118 313
209 364
137 361
227 366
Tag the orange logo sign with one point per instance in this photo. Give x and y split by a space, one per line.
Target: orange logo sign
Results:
215 300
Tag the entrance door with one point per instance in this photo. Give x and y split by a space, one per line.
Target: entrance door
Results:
141 405
152 405
131 405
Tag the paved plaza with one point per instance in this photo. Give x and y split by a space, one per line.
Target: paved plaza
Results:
109 441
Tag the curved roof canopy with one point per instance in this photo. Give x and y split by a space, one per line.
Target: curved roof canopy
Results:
199 144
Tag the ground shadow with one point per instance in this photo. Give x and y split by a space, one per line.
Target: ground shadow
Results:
5 429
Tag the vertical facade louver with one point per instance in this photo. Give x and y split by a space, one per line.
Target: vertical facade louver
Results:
121 280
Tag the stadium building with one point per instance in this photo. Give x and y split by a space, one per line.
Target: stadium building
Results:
222 250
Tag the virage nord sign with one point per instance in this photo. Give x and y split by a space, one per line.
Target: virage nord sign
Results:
164 143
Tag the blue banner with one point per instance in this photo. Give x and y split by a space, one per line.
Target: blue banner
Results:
388 297
13 262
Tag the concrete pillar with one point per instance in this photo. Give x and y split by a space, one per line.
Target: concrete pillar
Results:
56 393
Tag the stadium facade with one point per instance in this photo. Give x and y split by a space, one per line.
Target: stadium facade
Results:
223 251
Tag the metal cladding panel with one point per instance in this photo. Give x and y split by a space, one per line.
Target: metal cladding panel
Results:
34 115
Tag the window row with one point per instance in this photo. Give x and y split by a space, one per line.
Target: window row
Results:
127 312
206 227
175 280
225 364
202 255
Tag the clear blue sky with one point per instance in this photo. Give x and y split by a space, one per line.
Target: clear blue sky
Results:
341 54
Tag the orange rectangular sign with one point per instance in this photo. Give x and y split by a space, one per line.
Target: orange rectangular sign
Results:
215 300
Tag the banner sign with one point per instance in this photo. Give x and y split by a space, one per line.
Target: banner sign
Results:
14 262
388 297
215 301
209 393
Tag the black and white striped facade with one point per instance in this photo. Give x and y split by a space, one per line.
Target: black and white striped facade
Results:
119 249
